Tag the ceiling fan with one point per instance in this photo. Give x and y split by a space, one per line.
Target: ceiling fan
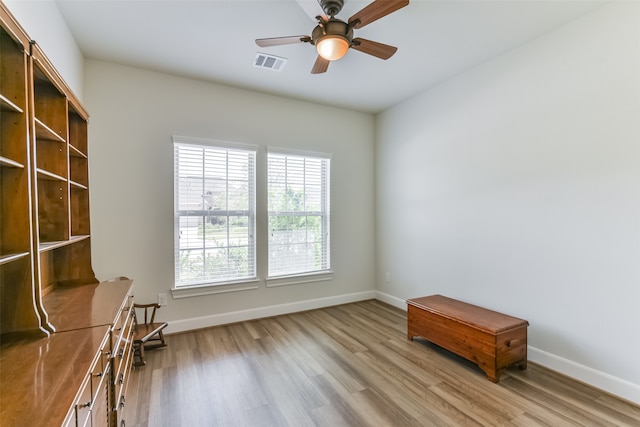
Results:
333 37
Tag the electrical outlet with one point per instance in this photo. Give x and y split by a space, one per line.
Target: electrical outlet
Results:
387 277
162 299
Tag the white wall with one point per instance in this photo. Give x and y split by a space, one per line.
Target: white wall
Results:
133 116
42 21
516 186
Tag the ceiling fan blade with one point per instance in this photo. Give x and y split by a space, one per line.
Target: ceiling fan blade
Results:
379 50
376 10
313 9
320 66
276 41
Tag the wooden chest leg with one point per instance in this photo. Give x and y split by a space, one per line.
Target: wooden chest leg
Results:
493 375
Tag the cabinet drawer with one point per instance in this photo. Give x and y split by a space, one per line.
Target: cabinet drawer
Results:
124 345
122 374
125 312
122 327
83 404
100 408
100 369
121 409
122 383
122 378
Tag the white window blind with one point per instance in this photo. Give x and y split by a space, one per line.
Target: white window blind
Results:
214 212
298 205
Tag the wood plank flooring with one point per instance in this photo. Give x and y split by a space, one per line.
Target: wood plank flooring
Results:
349 365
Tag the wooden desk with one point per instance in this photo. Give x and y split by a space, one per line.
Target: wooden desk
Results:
490 339
78 375
43 377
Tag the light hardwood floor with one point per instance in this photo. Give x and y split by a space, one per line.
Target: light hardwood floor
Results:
349 365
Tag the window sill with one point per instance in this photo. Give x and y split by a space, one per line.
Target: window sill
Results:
219 288
299 279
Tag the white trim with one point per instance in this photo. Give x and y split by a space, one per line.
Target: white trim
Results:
179 139
219 288
262 312
609 383
391 300
299 279
298 153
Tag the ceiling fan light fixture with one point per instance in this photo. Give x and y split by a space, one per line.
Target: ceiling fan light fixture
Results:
332 47
333 37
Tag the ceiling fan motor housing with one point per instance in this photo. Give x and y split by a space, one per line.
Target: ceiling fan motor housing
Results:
331 7
333 27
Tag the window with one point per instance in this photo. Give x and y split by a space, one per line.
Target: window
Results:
214 212
298 204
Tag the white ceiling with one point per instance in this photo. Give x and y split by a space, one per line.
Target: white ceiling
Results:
214 40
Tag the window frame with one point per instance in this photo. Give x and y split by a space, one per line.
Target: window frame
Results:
186 288
325 272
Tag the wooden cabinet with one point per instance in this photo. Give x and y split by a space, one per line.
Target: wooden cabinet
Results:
76 376
44 189
65 337
62 254
19 311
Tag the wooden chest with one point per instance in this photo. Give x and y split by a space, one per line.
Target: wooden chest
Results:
490 339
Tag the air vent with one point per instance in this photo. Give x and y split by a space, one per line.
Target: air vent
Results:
262 60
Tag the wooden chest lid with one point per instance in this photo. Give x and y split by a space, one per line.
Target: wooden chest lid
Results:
472 315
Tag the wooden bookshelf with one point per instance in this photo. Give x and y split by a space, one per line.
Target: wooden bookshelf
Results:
59 326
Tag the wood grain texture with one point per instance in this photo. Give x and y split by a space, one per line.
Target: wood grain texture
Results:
40 377
349 365
492 340
82 306
76 371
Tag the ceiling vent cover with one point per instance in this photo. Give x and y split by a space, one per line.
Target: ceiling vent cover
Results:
262 60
